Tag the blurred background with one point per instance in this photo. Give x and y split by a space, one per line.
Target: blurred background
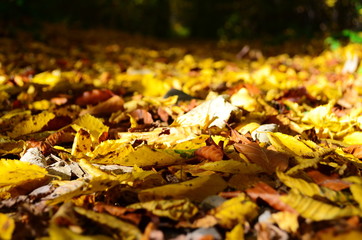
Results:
204 19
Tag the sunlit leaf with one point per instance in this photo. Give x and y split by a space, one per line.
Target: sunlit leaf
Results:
243 99
356 190
82 143
316 210
287 221
7 226
110 152
237 233
47 78
31 125
94 125
146 156
353 138
288 144
15 172
235 211
231 166
311 189
210 113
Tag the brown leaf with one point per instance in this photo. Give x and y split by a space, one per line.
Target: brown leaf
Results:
62 136
267 159
93 97
44 147
213 153
112 104
270 195
239 138
122 212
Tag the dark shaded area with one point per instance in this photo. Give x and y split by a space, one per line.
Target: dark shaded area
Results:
228 19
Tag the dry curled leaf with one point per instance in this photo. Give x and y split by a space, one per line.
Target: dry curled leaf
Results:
267 159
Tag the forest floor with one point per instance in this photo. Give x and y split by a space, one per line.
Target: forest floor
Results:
106 135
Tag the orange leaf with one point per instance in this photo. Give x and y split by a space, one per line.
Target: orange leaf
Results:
331 182
270 195
356 150
124 213
213 153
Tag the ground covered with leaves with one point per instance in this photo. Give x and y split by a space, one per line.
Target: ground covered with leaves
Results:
110 136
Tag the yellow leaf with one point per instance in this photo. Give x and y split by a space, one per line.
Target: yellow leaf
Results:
287 221
235 211
231 166
167 137
122 229
8 146
146 156
178 209
47 78
7 226
311 189
288 144
62 233
141 179
82 143
353 138
237 233
195 189
153 87
243 99
356 190
33 124
15 172
110 152
94 125
40 105
316 210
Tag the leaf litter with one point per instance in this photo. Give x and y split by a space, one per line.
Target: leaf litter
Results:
133 138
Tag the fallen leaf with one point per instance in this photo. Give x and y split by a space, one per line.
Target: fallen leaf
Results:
269 195
195 189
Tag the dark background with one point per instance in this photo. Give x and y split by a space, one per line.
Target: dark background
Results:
207 19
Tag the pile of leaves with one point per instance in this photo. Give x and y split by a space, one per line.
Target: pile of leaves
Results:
131 138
